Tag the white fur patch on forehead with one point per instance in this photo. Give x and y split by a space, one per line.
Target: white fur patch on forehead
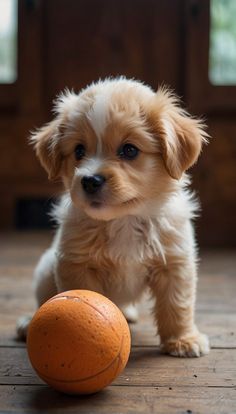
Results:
98 114
90 167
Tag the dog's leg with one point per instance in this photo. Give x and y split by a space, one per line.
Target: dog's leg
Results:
130 312
22 325
44 286
44 277
70 275
174 289
78 276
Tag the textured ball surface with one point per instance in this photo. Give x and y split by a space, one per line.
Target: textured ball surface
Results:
78 342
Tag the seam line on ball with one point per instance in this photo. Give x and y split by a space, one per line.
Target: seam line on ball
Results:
85 378
86 303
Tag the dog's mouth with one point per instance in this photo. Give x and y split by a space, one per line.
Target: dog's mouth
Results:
110 209
99 204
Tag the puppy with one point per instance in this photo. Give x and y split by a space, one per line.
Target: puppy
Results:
124 222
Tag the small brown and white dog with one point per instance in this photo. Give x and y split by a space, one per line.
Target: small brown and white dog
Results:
125 218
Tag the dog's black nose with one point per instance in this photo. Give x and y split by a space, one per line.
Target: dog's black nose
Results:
93 183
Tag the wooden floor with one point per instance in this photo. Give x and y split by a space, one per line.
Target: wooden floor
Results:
151 382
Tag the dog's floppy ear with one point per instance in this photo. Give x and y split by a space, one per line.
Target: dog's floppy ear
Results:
46 143
180 136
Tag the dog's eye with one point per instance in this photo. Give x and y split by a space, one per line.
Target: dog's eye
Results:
79 151
128 152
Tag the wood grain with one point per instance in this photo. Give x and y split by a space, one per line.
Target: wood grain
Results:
129 400
146 367
151 382
216 308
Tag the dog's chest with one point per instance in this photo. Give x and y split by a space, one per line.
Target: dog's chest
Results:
132 240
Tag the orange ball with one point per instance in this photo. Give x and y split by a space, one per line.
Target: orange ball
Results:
78 342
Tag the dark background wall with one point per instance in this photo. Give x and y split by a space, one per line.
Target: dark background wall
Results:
69 43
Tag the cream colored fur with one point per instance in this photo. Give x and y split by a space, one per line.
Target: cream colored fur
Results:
140 236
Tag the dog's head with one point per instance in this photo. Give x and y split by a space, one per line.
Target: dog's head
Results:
118 146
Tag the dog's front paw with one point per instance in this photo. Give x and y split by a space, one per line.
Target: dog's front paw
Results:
130 312
22 327
189 346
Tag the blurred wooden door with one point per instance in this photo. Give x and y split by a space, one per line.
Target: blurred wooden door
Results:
69 43
209 22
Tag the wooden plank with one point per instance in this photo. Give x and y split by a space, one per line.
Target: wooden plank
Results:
151 382
17 299
17 266
146 367
216 308
121 399
22 248
221 328
216 292
221 299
